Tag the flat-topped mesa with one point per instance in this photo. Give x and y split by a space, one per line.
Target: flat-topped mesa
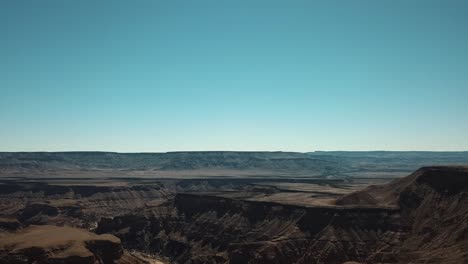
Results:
448 180
90 164
445 180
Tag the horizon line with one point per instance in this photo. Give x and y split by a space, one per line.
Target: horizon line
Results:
201 151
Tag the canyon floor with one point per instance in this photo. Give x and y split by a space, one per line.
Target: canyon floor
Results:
419 217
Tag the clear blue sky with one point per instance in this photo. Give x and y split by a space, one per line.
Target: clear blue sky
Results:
233 75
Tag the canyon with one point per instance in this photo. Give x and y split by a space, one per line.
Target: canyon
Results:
417 218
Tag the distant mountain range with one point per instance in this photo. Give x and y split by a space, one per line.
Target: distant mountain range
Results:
334 164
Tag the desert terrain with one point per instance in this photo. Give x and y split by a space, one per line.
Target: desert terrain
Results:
234 207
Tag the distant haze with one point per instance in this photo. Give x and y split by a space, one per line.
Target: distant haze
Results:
152 76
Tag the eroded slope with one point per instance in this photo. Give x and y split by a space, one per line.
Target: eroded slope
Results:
422 218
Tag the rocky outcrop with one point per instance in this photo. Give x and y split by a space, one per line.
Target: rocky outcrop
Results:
52 244
433 203
37 213
75 205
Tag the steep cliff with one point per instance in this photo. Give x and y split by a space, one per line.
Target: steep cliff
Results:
422 218
211 229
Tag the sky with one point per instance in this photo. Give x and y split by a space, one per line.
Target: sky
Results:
170 75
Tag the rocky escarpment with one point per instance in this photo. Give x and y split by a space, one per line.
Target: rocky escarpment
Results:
211 229
433 203
52 244
422 218
75 205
